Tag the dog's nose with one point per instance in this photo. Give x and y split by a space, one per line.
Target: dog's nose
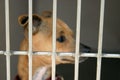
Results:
84 49
71 59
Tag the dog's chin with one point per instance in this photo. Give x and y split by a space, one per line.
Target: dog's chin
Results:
72 59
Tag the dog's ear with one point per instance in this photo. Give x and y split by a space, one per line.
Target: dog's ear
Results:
36 20
47 14
23 20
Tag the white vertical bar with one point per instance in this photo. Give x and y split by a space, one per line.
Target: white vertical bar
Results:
99 55
30 40
7 24
78 22
54 39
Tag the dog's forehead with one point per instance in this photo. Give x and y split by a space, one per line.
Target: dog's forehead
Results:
61 26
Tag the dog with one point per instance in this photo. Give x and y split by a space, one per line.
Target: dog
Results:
42 41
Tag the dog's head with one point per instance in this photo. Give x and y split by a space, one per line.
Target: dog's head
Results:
42 33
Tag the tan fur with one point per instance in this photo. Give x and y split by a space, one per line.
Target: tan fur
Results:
42 41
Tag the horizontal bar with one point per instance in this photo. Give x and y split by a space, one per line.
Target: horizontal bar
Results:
104 55
111 55
1 52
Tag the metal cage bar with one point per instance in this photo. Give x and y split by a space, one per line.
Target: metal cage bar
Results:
104 55
7 53
30 39
100 40
78 25
54 39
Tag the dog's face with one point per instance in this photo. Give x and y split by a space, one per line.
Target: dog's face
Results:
42 37
42 33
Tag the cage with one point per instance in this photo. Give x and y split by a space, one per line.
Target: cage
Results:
98 21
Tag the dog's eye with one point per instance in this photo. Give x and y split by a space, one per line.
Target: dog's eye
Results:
61 39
